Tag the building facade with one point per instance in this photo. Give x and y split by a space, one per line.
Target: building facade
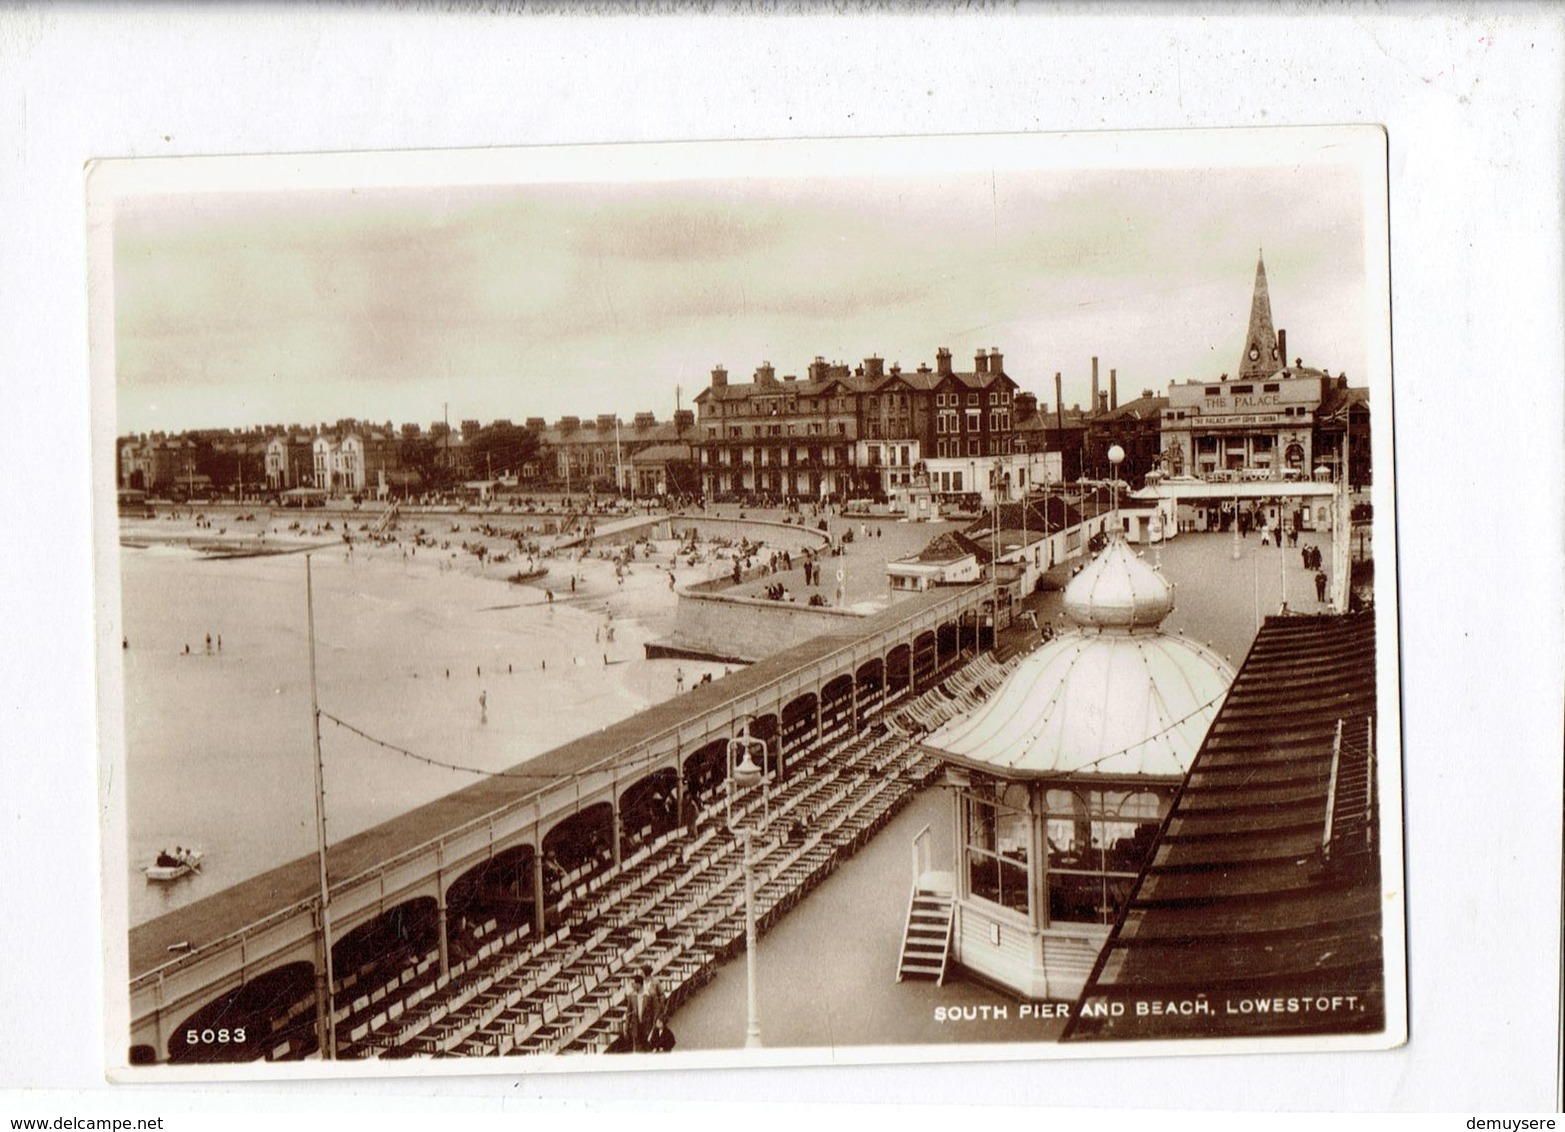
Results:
1274 421
849 434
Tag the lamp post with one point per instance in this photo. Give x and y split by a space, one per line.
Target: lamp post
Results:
743 773
1116 458
1236 523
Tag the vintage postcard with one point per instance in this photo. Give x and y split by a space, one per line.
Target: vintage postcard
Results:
731 604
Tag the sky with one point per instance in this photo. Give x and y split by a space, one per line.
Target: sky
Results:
543 299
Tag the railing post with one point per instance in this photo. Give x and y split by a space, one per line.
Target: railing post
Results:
1331 788
1369 780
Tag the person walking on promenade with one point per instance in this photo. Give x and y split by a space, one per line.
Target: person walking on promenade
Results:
1320 585
679 680
648 1015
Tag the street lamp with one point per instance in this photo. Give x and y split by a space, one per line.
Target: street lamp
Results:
744 772
1116 458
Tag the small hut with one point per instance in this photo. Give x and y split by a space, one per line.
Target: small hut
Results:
1061 778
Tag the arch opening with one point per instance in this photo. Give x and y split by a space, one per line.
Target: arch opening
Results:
272 1016
497 891
648 809
896 669
836 705
378 948
579 847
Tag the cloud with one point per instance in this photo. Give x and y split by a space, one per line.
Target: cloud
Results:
518 301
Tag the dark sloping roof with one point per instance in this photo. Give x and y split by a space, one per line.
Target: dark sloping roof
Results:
1242 922
949 546
1142 408
1052 514
662 453
1335 400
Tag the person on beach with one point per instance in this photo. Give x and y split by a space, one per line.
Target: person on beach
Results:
679 680
483 707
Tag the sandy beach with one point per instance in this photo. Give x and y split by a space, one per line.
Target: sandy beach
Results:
425 648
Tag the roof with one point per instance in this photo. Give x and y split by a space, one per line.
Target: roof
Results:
1105 699
1239 905
1049 719
662 453
1142 408
851 383
1118 590
949 546
1048 514
1336 400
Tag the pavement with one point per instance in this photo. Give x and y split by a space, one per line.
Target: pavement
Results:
826 974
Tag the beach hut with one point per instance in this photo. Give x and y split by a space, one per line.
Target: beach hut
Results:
1059 780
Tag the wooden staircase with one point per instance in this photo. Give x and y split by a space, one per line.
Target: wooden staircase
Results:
926 942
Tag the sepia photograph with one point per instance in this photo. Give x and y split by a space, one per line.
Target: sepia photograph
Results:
740 603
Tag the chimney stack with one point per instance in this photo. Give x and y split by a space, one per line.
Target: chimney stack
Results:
980 362
1094 401
1113 388
719 377
943 362
874 367
996 360
765 374
1282 346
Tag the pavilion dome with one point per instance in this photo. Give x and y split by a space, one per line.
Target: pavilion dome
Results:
1093 702
1118 590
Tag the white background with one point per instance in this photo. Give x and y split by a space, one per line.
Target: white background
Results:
1471 100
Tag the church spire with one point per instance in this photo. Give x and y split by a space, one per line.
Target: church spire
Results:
1261 358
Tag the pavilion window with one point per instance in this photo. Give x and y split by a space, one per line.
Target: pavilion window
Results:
1098 841
998 825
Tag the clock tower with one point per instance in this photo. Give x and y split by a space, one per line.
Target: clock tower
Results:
1261 356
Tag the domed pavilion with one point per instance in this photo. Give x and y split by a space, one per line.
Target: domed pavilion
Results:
1062 777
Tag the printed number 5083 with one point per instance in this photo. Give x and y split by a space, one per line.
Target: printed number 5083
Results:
210 1037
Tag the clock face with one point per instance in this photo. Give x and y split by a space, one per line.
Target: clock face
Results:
1274 353
1254 353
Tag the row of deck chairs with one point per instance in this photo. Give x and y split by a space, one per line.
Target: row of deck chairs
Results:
956 694
675 905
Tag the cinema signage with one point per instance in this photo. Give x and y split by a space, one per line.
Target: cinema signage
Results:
1239 402
1236 420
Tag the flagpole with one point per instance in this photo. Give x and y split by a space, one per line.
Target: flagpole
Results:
323 997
